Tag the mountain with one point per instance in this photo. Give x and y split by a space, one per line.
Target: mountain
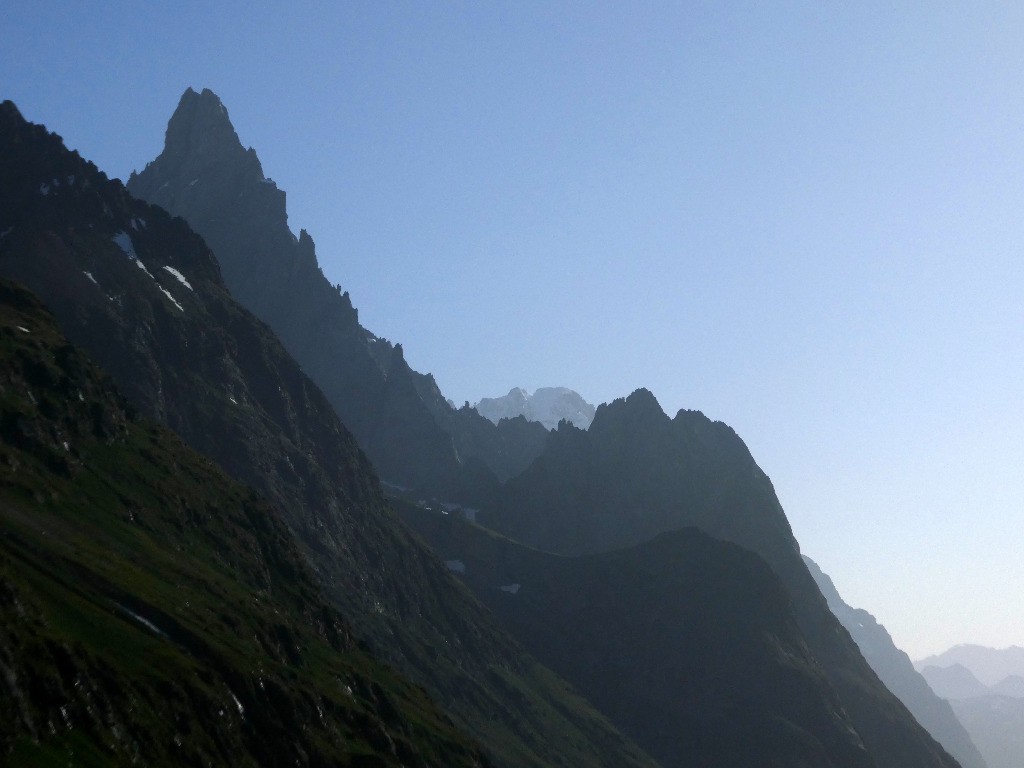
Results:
636 473
989 665
153 611
547 405
399 416
986 690
143 296
954 682
688 644
996 724
1012 686
895 669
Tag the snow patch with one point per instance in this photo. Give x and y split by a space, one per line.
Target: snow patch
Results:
23 329
142 266
89 275
510 588
241 709
456 565
191 183
6 232
181 277
467 512
232 399
71 181
168 295
124 241
44 189
144 622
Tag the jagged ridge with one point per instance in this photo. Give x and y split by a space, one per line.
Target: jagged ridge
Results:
193 359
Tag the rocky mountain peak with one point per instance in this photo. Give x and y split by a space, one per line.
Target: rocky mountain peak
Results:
201 147
637 411
200 127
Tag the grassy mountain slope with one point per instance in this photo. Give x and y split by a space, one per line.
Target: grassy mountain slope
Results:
156 612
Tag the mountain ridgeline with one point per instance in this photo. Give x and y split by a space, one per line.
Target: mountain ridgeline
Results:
670 594
985 687
142 294
636 473
689 644
403 422
632 475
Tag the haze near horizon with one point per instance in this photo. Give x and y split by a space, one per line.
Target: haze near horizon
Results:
803 222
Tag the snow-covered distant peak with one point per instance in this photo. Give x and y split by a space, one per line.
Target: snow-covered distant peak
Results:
548 405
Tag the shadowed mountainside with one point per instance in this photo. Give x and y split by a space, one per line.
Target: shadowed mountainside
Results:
401 419
636 473
154 611
895 669
688 644
142 294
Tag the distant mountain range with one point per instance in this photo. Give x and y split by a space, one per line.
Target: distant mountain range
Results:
989 665
547 405
895 669
985 687
640 600
996 724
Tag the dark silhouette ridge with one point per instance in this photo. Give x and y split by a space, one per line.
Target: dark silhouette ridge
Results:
636 473
143 295
401 419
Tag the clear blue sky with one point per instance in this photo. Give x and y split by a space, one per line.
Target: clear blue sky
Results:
804 219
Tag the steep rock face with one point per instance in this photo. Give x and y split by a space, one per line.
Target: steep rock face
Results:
895 669
547 405
636 473
143 295
153 611
399 416
689 644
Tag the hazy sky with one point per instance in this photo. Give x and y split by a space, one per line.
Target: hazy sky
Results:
804 219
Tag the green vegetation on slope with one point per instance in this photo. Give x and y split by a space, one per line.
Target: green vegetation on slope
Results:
153 611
